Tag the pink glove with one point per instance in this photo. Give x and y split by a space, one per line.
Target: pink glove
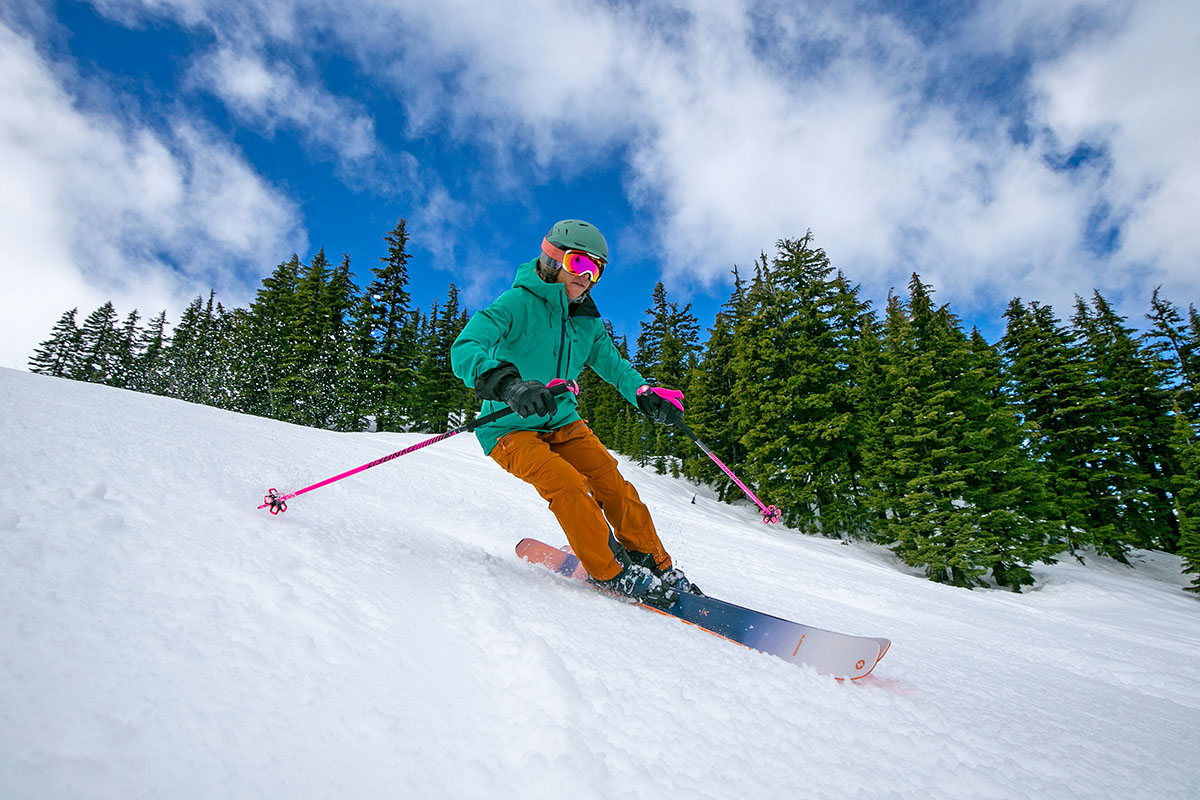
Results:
661 405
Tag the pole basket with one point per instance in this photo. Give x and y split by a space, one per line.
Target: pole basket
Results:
274 502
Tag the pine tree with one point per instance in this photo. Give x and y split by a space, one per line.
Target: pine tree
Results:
126 366
922 479
440 398
341 367
239 357
150 372
224 357
956 493
1176 344
1131 457
300 395
872 400
647 360
61 353
99 337
365 364
198 369
1187 496
1048 382
458 401
267 342
600 403
319 386
667 351
795 396
391 369
1008 487
648 355
710 397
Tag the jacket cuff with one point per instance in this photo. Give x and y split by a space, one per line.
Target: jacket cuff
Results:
490 384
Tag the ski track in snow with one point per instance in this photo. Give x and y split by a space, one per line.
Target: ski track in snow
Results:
160 637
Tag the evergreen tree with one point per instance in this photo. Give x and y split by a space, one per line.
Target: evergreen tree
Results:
710 397
320 386
600 403
920 493
1049 385
647 357
61 353
239 359
99 346
267 342
1008 488
363 351
126 366
223 354
441 399
391 369
956 495
667 352
341 367
300 395
649 342
873 402
150 371
198 370
1176 344
1187 496
1132 462
795 391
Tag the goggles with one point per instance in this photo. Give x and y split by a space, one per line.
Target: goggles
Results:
576 262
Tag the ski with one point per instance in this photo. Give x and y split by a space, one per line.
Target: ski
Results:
838 654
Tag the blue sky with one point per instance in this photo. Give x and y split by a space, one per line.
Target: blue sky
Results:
152 149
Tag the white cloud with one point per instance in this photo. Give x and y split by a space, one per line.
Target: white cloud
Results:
734 141
271 95
1132 92
97 208
744 122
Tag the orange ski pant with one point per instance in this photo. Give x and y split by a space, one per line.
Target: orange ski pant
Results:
575 473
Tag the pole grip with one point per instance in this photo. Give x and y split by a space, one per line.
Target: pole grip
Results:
557 386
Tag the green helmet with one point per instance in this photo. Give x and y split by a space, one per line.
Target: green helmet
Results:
575 234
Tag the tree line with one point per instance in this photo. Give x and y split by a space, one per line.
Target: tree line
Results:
971 461
312 349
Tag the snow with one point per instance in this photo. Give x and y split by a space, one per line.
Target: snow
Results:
160 637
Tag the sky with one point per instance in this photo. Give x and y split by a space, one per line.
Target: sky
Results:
154 149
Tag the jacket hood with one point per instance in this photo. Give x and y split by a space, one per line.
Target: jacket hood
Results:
555 294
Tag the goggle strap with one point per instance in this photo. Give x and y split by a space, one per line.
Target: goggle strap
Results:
552 251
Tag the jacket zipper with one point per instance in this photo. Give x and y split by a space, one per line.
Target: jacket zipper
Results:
562 347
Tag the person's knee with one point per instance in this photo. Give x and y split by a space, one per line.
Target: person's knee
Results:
561 482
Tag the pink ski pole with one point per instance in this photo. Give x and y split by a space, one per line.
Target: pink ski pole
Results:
277 503
770 514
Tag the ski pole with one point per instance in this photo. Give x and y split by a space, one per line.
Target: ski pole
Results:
770 514
277 503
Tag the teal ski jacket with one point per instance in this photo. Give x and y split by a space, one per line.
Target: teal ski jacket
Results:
534 328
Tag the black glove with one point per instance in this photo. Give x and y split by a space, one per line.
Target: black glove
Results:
661 405
528 398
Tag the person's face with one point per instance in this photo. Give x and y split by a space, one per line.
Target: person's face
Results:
576 285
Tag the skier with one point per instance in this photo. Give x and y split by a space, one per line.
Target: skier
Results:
547 327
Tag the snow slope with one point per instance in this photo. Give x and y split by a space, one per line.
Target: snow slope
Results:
159 637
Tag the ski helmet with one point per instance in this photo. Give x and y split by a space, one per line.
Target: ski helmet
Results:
575 234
